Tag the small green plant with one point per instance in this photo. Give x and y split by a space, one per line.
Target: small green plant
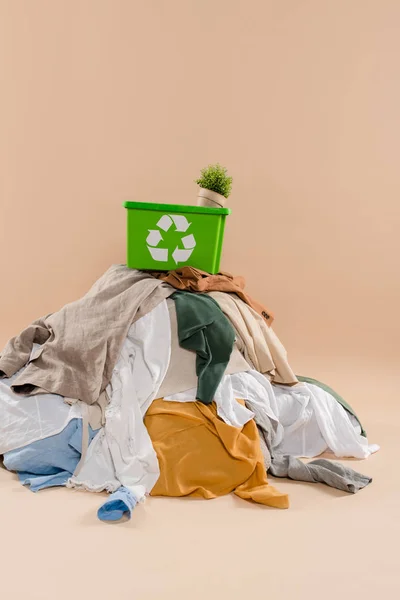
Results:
215 178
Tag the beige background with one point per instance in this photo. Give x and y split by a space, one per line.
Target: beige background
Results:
103 101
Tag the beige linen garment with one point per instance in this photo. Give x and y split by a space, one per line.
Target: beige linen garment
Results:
259 343
81 343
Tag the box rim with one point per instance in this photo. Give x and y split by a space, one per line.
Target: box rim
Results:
182 208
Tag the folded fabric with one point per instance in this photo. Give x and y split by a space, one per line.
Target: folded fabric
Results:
119 504
333 393
191 279
204 329
259 343
201 456
80 344
122 452
320 470
181 374
51 461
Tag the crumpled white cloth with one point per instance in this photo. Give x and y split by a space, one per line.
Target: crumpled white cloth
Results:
122 452
24 420
314 422
230 411
307 420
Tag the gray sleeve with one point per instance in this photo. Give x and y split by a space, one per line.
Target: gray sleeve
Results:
18 350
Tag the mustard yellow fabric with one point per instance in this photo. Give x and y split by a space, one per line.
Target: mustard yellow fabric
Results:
201 456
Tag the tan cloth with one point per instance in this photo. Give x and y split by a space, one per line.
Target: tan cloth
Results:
181 374
259 343
80 344
200 455
194 280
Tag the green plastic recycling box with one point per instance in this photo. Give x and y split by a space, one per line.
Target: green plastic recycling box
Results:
163 237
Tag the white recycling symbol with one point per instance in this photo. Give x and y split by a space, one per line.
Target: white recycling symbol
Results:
155 237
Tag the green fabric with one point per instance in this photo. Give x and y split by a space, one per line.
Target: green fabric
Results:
204 329
332 392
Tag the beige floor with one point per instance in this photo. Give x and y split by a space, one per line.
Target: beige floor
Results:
327 545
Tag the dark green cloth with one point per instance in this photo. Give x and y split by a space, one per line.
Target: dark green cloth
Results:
325 387
204 329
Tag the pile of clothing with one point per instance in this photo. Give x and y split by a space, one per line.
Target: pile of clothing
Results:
168 384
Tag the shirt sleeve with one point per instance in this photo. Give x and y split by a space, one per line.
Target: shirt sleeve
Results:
18 350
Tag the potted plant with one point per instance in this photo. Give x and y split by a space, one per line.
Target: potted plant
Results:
215 186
